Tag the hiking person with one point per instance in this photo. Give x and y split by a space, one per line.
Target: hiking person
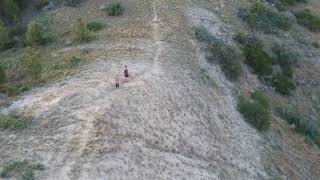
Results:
116 80
126 71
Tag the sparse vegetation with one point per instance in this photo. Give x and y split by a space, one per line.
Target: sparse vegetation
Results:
80 31
308 19
228 58
263 64
304 123
31 63
94 26
256 110
14 122
266 18
73 3
22 169
35 34
114 9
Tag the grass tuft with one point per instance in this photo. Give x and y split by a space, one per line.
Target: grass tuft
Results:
114 9
20 168
14 122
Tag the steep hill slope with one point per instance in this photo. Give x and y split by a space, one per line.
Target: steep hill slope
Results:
175 118
171 120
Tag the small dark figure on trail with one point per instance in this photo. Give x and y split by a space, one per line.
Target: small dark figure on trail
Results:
126 71
116 80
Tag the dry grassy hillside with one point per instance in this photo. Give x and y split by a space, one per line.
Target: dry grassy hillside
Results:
218 89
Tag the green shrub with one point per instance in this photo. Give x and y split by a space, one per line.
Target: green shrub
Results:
4 36
3 76
35 33
308 19
41 3
14 122
316 45
31 63
263 17
22 168
202 35
94 26
246 39
256 110
229 60
283 84
114 9
80 31
258 60
254 54
304 123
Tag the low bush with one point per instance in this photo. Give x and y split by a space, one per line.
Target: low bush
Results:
3 76
304 123
114 9
228 58
256 110
31 63
201 33
308 19
20 168
13 90
35 34
80 31
94 26
283 84
258 60
246 39
14 122
5 40
41 3
263 17
285 55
